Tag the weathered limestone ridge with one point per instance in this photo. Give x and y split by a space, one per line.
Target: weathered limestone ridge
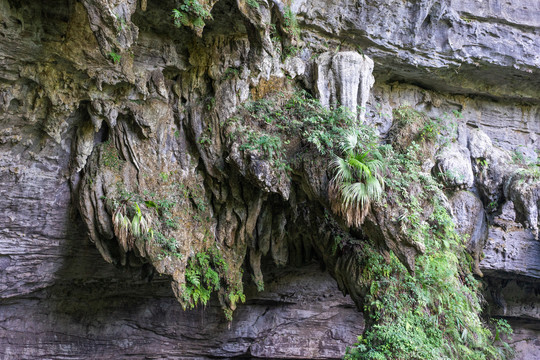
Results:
344 78
105 103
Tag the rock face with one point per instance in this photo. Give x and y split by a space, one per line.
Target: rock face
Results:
453 166
510 248
300 315
470 219
426 41
344 78
98 91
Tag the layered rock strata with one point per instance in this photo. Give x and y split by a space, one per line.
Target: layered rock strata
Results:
78 77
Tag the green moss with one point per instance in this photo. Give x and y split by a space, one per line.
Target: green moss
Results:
253 3
230 73
110 156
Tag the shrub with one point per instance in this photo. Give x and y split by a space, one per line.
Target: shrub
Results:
357 180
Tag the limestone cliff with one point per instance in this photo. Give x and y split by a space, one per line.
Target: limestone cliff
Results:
118 112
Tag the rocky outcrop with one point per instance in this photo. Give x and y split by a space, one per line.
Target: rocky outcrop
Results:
451 46
453 166
78 118
471 222
511 250
301 314
105 100
344 79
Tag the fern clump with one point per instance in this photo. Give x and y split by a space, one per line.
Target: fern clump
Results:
207 272
193 14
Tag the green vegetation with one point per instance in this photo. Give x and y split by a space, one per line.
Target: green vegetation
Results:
191 13
431 129
268 144
135 215
153 222
210 103
121 22
286 36
430 315
110 157
483 162
285 128
529 168
406 115
492 206
230 73
201 279
451 176
207 272
518 158
357 180
290 23
530 174
253 3
275 37
149 217
115 57
259 284
129 228
422 128
433 312
269 124
164 176
206 136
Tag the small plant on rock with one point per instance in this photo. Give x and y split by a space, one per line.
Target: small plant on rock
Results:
115 57
290 23
357 181
128 230
191 13
253 3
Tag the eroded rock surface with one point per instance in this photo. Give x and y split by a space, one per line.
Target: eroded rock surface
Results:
510 248
344 79
78 79
301 314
